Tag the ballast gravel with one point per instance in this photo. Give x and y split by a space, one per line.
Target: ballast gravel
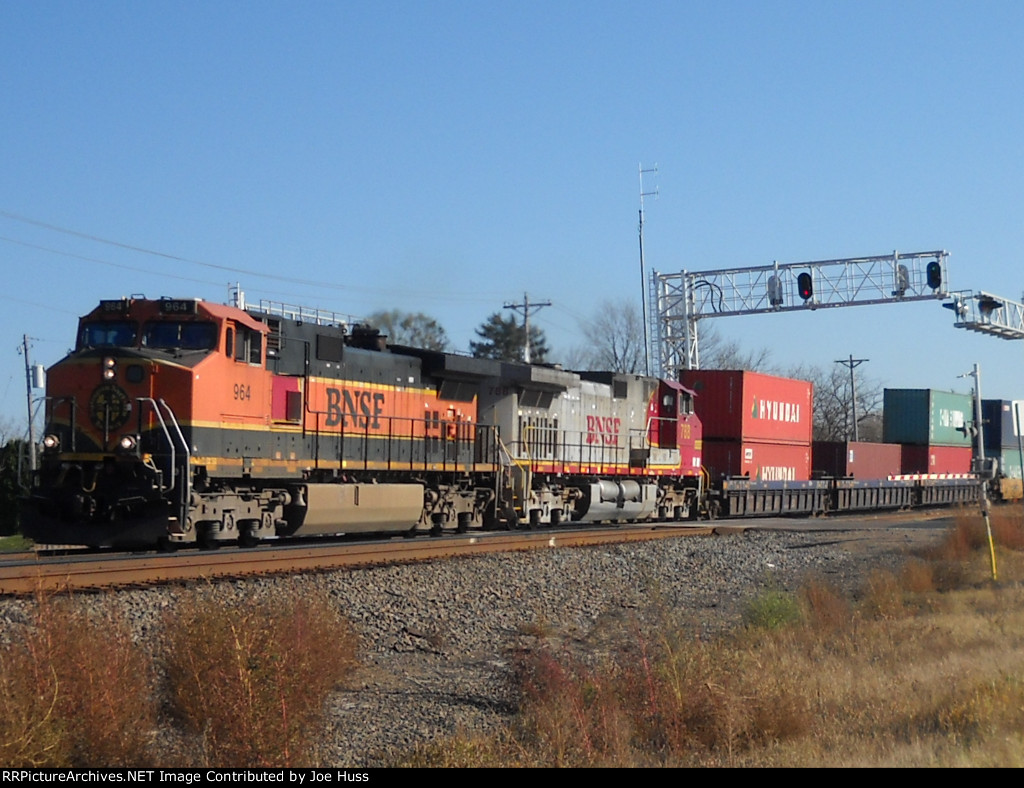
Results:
437 637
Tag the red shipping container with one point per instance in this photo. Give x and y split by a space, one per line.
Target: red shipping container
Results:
861 460
749 406
936 459
763 462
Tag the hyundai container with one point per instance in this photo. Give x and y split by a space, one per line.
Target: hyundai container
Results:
750 406
766 462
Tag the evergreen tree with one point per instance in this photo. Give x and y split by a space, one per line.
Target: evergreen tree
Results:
505 339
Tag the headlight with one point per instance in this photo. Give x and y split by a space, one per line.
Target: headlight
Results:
109 368
128 444
51 443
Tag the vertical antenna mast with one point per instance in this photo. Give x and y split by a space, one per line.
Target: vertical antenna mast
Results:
643 276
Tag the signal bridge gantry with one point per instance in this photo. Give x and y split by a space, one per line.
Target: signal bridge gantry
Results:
987 314
681 300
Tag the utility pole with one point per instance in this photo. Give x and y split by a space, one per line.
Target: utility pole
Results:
525 308
643 275
852 362
981 466
28 392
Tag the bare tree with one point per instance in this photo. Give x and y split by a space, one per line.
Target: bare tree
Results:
833 411
616 339
719 353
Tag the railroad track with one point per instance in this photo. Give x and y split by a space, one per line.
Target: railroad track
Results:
29 573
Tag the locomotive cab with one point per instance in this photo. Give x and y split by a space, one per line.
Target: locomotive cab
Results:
121 426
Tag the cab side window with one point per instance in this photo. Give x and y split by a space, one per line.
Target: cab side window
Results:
244 344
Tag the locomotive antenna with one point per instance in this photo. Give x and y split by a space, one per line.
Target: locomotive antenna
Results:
643 277
525 308
852 362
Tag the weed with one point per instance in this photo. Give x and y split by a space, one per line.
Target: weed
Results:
249 682
63 688
771 609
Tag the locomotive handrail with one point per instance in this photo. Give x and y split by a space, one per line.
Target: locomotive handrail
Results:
54 402
456 434
156 405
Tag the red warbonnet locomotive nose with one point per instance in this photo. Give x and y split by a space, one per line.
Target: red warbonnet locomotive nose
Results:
183 421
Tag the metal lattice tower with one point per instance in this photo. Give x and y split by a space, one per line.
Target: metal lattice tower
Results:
680 301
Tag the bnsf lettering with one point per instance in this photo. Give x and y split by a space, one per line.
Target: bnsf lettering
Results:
354 408
603 429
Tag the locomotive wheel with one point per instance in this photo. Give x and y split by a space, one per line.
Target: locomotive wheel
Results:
247 533
206 535
165 545
714 510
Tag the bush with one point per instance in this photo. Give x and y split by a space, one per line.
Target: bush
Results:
63 688
250 682
771 609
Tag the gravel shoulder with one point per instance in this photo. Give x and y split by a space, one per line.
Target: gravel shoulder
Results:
437 637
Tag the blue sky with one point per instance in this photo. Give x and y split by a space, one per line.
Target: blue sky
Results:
448 157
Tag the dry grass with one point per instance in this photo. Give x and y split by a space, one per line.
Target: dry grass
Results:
926 668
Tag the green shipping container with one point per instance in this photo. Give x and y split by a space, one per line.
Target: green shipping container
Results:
926 417
1009 461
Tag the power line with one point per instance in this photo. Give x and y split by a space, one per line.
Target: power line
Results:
319 284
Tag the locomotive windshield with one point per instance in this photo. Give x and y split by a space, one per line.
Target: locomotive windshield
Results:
180 335
108 333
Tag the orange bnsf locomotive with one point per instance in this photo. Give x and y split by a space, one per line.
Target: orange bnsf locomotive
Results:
183 421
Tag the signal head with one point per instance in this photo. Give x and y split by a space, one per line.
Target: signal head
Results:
805 285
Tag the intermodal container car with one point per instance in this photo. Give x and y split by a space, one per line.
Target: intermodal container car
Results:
743 406
855 459
926 417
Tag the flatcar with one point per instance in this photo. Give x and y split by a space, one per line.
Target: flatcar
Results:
177 421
